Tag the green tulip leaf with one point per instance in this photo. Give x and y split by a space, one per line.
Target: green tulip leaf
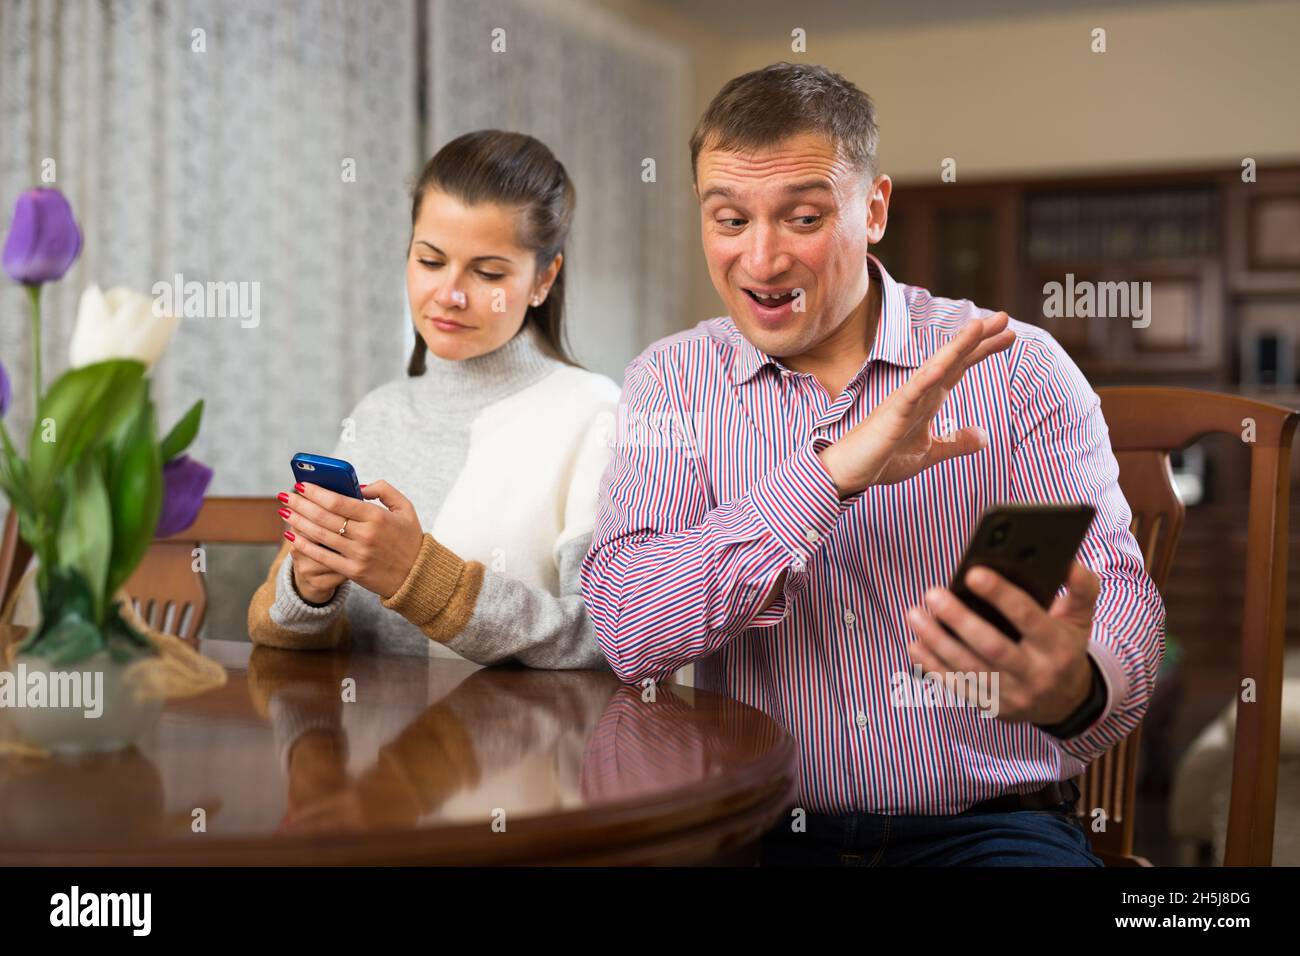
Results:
66 593
136 491
182 433
136 394
84 406
124 641
85 535
67 632
15 480
72 639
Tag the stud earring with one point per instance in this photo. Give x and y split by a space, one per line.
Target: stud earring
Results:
537 300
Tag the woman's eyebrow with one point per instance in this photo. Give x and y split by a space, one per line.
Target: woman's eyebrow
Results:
505 259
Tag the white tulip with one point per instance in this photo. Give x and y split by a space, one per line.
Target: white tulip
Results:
119 324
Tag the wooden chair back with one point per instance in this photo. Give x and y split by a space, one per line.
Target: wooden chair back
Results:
1146 424
166 589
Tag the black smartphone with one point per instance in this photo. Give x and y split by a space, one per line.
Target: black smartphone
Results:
1032 546
334 474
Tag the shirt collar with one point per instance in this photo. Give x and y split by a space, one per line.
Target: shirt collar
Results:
893 343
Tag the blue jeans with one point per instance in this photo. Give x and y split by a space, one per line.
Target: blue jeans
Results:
1051 837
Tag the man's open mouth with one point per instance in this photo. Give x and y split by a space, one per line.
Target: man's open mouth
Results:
773 299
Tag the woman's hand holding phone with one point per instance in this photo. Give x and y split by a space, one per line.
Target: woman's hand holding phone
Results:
314 582
343 538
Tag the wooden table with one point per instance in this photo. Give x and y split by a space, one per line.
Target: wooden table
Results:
332 758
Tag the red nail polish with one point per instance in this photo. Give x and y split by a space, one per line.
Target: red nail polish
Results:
299 488
284 513
362 486
283 497
289 535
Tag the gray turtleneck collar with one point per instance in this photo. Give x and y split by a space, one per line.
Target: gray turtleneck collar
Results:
484 379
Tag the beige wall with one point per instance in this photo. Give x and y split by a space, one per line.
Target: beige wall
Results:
1187 85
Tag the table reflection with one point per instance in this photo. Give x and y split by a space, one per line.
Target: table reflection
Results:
319 745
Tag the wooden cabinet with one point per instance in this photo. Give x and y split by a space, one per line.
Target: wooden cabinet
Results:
1263 230
1162 316
1201 250
958 242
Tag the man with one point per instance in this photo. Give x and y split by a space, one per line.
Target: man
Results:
794 482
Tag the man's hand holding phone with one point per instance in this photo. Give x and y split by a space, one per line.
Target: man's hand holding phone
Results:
1045 676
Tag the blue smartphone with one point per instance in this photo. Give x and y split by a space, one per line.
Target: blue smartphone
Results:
334 474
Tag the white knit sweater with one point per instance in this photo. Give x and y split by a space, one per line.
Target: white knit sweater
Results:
502 457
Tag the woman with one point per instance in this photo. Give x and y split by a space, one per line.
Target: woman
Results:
495 441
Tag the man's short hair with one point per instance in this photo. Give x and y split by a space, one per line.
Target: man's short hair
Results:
765 107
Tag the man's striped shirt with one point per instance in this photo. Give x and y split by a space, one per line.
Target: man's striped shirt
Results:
714 488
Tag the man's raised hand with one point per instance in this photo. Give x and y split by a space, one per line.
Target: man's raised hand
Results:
896 441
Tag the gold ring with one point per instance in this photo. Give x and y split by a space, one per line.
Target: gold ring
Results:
344 530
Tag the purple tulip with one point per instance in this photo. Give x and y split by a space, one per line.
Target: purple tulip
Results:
6 390
43 239
184 482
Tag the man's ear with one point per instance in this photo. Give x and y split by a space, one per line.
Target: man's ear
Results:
878 208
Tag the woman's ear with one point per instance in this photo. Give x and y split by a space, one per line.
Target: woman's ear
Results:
546 278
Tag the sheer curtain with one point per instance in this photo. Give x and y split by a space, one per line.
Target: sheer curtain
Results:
274 143
212 140
609 102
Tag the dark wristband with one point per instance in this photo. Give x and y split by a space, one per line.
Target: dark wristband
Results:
1086 713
